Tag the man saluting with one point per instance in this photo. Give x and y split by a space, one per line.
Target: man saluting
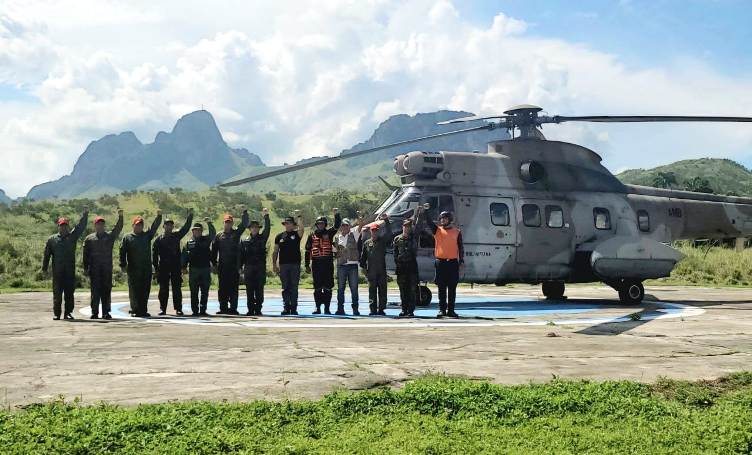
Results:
226 256
61 248
166 259
98 264
135 259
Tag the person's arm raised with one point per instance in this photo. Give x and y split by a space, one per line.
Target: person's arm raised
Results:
154 225
187 225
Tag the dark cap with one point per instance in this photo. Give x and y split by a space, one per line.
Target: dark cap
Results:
289 219
254 223
197 226
169 220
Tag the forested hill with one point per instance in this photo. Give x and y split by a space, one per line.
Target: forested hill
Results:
706 175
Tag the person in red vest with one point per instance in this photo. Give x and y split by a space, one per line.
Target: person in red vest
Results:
450 259
319 259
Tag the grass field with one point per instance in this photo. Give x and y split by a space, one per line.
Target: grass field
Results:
434 414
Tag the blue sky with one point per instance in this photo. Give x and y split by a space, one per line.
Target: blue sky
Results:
290 82
641 32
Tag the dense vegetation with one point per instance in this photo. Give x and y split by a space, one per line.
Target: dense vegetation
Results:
433 414
25 226
707 175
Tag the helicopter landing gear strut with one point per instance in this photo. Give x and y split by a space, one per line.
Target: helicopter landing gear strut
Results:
553 290
424 296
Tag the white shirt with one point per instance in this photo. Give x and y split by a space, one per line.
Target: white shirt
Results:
343 242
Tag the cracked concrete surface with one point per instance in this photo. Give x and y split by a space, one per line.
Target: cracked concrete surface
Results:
130 362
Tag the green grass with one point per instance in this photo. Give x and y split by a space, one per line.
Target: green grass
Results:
711 267
434 414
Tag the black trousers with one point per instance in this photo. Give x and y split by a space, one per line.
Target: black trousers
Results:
101 288
322 271
227 291
63 285
255 279
447 277
199 279
139 287
166 277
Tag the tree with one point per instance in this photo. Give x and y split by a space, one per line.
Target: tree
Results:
698 185
665 180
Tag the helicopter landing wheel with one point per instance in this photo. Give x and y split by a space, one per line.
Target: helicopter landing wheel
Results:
424 296
631 292
553 290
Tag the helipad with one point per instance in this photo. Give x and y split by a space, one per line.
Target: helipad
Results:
474 309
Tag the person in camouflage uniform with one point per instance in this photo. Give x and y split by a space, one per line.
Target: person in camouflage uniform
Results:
165 257
61 248
253 264
197 259
226 257
98 264
135 259
373 261
406 267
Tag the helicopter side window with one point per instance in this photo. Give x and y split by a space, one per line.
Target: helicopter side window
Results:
643 220
499 214
531 215
554 216
602 218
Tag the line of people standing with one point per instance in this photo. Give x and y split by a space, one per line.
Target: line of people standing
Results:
346 246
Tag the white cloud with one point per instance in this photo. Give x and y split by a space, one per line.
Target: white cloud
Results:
290 82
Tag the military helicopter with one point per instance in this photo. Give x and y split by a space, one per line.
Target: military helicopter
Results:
548 212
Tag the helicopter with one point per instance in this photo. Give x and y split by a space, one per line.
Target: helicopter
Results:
537 211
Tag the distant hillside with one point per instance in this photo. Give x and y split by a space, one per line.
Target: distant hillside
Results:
721 175
4 199
192 156
363 171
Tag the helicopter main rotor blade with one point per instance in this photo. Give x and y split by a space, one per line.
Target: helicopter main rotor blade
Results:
641 118
473 118
329 159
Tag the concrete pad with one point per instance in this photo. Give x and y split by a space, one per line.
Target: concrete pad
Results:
506 336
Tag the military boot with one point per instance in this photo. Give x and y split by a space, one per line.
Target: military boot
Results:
355 311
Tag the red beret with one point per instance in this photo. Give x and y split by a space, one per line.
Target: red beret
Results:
98 219
62 220
137 219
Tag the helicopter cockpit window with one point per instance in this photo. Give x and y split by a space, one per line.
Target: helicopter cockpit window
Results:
404 204
643 220
388 201
499 214
554 216
531 216
602 218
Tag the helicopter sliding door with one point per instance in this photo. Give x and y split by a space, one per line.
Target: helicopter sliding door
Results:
544 251
489 233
